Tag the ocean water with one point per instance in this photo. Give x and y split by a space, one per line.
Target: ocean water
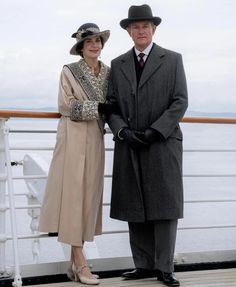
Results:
207 176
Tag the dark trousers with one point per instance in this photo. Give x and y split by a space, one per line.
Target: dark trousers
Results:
153 244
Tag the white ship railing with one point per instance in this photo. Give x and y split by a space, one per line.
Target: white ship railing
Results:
7 186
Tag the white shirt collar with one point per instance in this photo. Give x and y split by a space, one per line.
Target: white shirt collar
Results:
145 51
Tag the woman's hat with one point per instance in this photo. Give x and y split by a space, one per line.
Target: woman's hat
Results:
86 31
139 13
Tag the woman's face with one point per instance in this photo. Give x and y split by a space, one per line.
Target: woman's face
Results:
92 47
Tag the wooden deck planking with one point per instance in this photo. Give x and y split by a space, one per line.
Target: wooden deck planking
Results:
208 278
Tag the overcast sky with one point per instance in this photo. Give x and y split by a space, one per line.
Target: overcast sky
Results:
36 39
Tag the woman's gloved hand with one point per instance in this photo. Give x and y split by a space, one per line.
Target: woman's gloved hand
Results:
108 108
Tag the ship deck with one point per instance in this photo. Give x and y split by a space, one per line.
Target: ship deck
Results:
206 278
206 236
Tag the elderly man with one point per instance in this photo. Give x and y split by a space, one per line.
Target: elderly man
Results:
148 83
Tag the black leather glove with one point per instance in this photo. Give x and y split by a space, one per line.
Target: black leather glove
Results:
108 108
133 141
104 108
152 135
141 136
116 108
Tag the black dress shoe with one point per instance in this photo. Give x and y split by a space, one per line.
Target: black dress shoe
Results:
168 279
137 273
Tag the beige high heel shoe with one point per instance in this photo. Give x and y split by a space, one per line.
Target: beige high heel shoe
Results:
71 276
79 277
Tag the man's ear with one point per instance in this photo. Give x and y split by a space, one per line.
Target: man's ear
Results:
128 29
154 28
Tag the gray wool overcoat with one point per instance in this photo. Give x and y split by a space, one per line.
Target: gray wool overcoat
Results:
159 101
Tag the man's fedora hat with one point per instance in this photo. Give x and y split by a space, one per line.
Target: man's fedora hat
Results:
139 13
86 31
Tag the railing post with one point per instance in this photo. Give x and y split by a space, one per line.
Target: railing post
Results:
2 202
17 278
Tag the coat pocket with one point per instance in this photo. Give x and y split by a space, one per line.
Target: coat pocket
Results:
177 134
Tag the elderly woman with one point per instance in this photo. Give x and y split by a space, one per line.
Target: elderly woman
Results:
72 205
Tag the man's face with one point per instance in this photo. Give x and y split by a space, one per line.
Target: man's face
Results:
141 33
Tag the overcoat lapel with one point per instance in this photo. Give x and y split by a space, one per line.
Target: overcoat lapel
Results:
154 61
80 76
128 69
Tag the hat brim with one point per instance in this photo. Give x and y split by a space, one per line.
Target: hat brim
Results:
103 34
125 22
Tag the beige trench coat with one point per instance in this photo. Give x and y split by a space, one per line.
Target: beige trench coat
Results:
72 203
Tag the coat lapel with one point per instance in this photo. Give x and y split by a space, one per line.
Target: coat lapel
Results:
128 69
154 61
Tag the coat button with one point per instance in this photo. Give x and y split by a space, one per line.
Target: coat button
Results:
128 119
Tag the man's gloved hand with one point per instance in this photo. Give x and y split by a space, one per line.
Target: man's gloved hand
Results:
152 135
141 136
108 108
133 141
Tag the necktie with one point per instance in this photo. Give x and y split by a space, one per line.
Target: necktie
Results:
141 60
